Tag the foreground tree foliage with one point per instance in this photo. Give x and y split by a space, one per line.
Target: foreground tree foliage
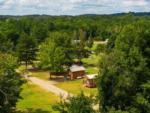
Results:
76 104
10 83
124 82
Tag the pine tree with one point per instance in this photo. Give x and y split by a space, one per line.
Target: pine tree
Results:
26 49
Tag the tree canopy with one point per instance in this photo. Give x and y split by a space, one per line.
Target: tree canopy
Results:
125 72
55 52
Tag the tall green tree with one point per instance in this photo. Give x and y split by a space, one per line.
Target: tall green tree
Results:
125 72
80 42
26 49
55 52
10 83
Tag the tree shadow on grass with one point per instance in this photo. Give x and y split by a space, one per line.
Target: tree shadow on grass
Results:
34 111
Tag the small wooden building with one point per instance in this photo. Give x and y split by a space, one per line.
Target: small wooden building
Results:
76 71
90 81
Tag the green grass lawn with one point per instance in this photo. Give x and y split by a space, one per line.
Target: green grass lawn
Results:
91 64
92 70
41 74
36 99
76 86
91 60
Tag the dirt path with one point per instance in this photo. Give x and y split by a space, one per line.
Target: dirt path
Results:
49 86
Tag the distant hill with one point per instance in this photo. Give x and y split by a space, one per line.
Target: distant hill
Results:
120 14
133 13
115 14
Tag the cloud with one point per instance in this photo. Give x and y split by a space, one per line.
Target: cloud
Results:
130 3
58 7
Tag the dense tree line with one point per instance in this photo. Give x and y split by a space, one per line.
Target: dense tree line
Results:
98 27
14 30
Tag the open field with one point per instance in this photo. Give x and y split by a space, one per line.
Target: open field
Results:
36 99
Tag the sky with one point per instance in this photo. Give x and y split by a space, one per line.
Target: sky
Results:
72 7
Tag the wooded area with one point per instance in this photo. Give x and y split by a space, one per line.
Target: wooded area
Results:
54 43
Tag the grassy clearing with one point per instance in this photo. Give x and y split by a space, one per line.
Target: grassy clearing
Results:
76 86
36 99
91 60
92 70
91 64
41 74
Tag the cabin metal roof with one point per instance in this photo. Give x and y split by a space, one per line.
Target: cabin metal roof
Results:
93 76
75 68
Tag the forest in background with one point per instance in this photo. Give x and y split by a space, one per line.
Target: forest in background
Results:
39 27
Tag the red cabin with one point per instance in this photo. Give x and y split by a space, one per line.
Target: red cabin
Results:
76 71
